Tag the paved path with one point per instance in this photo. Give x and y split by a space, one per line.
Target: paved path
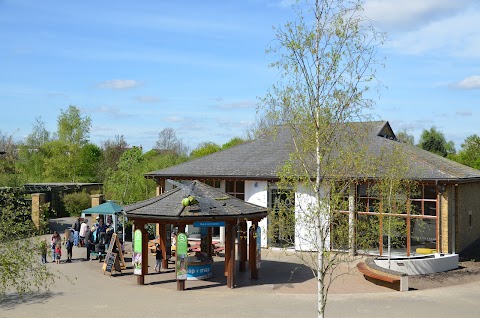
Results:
284 289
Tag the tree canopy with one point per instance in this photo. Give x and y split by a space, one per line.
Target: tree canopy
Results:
20 267
327 63
434 141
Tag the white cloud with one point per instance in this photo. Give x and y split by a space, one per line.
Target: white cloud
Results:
237 105
457 35
409 14
119 84
147 99
175 119
471 82
464 113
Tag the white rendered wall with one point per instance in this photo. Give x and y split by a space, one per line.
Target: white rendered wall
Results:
256 192
306 232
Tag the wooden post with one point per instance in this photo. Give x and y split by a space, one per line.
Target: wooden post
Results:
252 250
227 248
242 245
209 242
141 278
231 251
180 283
163 244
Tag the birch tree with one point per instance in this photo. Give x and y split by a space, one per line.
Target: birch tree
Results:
327 63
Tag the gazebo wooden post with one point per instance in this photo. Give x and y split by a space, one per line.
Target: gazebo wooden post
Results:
180 283
141 278
231 234
242 244
227 248
209 242
252 250
163 244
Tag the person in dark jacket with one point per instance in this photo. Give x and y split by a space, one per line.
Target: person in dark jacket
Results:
89 242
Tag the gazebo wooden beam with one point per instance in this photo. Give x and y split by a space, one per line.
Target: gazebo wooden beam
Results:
242 244
252 249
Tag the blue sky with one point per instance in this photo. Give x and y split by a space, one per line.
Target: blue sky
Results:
199 67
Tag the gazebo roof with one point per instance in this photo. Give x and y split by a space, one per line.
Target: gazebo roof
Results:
213 204
108 207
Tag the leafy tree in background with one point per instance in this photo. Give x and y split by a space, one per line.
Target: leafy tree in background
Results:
20 267
434 141
470 153
90 159
205 148
73 131
72 128
405 137
127 184
232 143
31 154
326 60
9 176
76 202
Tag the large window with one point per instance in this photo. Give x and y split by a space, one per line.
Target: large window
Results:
411 224
235 188
281 220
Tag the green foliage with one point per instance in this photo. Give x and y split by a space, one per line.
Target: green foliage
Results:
72 127
20 267
434 141
204 149
127 184
76 202
327 63
232 143
470 153
405 137
9 174
90 158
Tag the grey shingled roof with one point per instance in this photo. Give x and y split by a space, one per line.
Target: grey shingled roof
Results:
258 159
261 158
214 204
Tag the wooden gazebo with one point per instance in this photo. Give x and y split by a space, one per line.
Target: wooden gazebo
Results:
213 206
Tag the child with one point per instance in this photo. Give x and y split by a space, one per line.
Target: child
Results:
58 252
158 257
68 244
43 250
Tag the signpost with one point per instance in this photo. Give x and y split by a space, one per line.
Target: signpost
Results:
259 246
137 252
181 253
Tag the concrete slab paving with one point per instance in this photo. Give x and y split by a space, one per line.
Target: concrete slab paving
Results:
285 288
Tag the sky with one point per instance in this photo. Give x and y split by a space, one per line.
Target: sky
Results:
200 67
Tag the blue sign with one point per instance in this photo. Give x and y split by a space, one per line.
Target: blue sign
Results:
198 272
209 224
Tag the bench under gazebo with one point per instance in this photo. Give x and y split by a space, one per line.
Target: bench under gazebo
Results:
197 203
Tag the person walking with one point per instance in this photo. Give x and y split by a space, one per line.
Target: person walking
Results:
44 250
76 231
69 244
88 242
158 257
58 252
83 231
54 240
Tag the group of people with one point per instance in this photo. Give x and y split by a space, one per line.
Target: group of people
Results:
80 235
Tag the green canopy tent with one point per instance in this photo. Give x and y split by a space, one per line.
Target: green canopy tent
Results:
108 208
